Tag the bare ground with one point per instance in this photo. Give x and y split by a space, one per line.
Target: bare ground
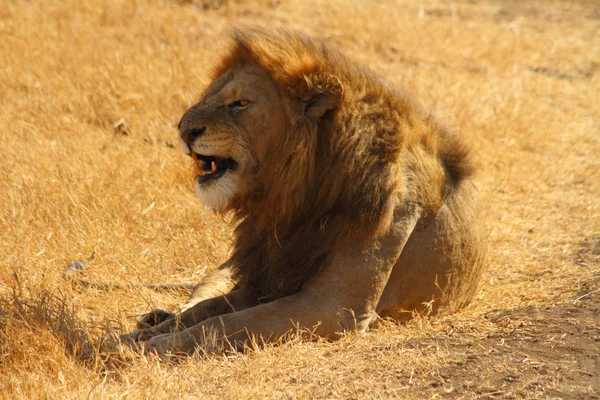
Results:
552 352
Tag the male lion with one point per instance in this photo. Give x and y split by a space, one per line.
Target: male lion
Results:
351 201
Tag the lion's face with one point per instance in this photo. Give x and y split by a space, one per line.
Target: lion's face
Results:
229 132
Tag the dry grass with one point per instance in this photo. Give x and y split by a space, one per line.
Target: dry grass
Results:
91 92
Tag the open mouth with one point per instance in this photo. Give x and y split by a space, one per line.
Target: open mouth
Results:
210 167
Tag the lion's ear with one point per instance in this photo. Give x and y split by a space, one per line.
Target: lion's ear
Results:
318 104
326 95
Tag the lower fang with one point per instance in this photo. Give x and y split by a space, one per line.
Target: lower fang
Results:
213 166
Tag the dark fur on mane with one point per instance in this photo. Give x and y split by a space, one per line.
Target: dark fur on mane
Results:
335 182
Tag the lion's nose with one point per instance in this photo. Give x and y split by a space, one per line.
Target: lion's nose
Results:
191 134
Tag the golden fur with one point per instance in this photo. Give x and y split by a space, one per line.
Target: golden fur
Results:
373 123
348 196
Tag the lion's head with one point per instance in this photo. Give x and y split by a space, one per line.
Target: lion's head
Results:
227 134
253 134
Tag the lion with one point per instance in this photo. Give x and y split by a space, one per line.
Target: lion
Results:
351 202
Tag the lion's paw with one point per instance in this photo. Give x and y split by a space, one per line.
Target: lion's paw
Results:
154 318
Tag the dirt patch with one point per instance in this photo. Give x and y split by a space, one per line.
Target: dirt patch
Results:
549 352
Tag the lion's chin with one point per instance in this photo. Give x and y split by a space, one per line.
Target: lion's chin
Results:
218 193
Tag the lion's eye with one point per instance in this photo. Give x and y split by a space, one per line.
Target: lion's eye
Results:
238 104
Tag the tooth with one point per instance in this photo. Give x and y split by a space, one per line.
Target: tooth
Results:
213 166
198 169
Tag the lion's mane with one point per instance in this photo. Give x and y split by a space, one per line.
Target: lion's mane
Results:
333 182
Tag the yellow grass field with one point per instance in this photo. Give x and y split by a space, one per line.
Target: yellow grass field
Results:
90 95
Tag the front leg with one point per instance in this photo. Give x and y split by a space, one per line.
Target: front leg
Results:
215 283
342 297
231 302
